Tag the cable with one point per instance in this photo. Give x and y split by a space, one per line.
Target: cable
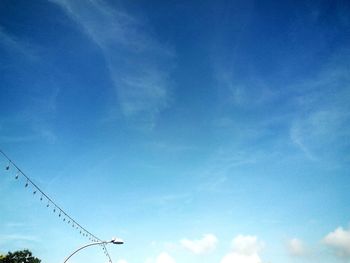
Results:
83 231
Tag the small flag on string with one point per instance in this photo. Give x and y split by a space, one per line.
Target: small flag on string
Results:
34 189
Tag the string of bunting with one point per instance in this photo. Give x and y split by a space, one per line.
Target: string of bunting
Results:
50 204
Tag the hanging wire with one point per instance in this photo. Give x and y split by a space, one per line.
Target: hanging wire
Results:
69 219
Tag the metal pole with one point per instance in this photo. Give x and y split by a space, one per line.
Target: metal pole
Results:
88 245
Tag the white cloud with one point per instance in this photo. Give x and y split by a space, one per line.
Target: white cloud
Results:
296 247
200 246
135 59
339 240
245 249
164 258
235 257
246 244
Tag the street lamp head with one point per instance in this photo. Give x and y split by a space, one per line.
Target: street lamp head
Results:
117 241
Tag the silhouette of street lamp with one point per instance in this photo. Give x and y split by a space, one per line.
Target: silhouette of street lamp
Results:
115 241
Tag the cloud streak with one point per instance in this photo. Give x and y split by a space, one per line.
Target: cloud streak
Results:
134 57
296 247
313 107
12 44
32 118
19 237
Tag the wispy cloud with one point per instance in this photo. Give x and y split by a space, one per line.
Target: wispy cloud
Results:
322 116
297 137
30 122
138 64
219 167
33 122
242 94
15 224
171 147
165 200
11 43
18 237
296 247
314 107
17 139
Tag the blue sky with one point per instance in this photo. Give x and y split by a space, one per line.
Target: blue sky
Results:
197 131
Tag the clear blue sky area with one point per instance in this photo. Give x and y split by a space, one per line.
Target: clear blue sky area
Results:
197 131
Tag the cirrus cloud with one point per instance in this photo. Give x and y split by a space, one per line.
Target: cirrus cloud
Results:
134 57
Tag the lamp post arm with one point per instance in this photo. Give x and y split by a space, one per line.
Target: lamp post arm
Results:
88 245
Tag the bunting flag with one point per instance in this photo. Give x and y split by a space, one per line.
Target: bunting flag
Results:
11 169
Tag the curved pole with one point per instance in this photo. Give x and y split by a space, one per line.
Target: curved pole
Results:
88 245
